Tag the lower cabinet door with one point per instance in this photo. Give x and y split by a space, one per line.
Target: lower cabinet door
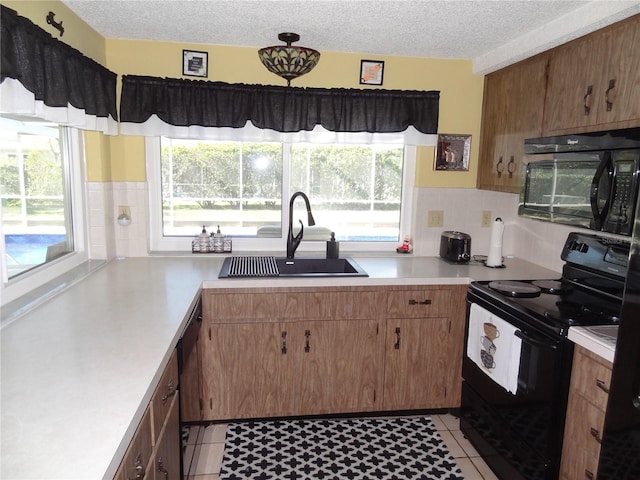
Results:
418 370
166 463
244 371
339 368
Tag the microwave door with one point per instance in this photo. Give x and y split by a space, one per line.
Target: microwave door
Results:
600 196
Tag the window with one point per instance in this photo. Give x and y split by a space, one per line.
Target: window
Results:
355 191
36 192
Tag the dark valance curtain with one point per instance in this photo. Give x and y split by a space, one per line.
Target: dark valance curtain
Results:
186 108
44 77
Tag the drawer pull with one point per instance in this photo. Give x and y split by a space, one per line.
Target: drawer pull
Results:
588 474
284 343
397 344
417 302
171 390
596 434
601 385
511 166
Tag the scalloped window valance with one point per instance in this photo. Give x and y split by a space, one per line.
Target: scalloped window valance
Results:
44 77
152 106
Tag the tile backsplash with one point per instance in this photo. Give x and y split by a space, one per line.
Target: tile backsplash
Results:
538 242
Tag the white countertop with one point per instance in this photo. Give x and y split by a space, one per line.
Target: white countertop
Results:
601 340
79 370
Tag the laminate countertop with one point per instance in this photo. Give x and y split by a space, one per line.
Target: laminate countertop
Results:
79 369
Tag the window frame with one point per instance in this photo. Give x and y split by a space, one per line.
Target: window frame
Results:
158 243
16 287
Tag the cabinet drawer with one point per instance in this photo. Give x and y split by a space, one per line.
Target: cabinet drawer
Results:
419 303
583 431
591 377
163 396
276 306
138 455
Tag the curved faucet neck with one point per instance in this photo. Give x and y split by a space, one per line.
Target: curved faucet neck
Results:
294 241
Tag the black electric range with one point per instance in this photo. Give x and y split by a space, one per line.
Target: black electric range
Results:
520 433
588 293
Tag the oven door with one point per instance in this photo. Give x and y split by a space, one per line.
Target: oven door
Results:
519 434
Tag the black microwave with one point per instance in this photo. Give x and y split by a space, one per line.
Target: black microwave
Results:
588 180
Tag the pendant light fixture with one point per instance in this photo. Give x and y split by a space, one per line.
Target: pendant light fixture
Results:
289 61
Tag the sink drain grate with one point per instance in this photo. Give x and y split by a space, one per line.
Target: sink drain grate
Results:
253 267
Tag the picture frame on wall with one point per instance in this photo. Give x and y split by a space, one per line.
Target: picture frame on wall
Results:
452 152
371 72
195 63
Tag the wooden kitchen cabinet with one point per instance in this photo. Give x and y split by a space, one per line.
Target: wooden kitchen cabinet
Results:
290 352
594 81
513 108
154 451
588 395
423 349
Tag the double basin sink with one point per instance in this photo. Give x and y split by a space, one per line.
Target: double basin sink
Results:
269 267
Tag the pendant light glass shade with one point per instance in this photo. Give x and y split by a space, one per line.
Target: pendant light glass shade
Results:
289 61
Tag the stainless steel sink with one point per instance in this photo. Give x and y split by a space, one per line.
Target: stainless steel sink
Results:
269 267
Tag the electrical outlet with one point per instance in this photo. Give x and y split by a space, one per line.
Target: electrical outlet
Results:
435 218
486 218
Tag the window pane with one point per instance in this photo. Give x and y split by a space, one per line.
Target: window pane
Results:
355 190
36 208
235 185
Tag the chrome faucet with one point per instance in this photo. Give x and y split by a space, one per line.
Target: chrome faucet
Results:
294 241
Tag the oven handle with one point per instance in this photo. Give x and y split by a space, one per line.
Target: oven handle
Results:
532 341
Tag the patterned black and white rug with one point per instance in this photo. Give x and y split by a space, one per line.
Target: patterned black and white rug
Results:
337 449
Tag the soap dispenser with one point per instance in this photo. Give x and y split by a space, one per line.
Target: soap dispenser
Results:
204 241
333 247
218 241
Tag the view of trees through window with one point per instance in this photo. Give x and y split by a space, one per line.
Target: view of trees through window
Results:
35 203
355 190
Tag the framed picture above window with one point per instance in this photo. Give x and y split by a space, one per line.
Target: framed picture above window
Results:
452 152
371 72
194 63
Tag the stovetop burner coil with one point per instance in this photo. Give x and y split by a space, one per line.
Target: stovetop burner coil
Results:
553 287
515 289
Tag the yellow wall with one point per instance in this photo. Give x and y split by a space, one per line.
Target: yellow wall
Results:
460 91
122 158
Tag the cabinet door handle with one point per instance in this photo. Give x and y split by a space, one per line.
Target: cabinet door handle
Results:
601 385
284 343
397 344
595 434
499 167
138 468
612 85
418 302
511 166
307 347
161 468
171 390
587 98
588 474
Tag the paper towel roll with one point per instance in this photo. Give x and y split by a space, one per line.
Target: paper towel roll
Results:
494 259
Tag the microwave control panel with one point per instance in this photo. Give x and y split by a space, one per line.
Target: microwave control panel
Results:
621 212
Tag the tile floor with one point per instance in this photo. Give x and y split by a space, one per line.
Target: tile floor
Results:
205 448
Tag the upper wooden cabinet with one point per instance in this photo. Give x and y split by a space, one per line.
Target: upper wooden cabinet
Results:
594 82
589 84
513 108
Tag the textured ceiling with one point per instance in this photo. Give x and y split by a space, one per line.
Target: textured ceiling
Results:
490 32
